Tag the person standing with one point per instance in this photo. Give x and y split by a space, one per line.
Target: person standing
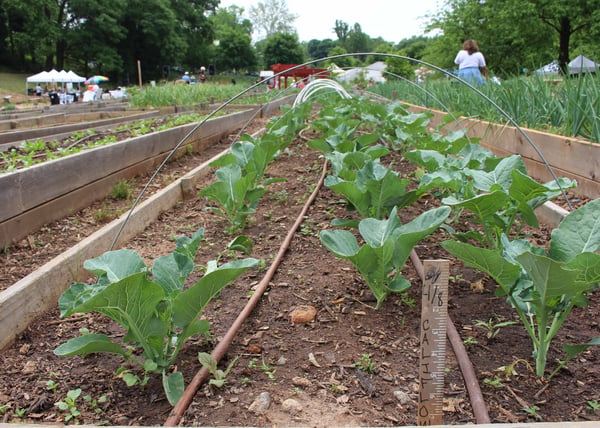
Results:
38 90
471 63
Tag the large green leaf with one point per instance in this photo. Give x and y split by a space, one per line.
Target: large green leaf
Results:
376 232
412 232
243 151
587 266
132 302
550 278
387 193
170 271
528 195
499 176
89 344
579 232
355 195
474 156
173 385
574 350
432 160
488 261
443 179
113 266
340 242
190 303
484 206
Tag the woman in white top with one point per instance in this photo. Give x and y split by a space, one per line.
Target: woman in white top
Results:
471 63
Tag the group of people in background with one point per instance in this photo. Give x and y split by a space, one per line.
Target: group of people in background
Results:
187 78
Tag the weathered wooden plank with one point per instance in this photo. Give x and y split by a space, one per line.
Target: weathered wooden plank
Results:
30 134
24 190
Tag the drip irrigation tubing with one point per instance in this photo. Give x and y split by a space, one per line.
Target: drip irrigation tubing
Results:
466 367
221 349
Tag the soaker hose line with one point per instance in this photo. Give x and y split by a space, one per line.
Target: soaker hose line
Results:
468 372
221 348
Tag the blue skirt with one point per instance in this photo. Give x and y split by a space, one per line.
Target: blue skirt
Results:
471 75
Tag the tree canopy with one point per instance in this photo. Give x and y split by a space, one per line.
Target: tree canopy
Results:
111 36
283 48
107 37
271 17
233 48
515 34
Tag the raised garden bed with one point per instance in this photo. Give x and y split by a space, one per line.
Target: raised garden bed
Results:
316 364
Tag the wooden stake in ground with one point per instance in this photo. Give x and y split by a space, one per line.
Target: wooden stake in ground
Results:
434 315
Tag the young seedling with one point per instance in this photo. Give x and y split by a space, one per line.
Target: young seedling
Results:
533 411
69 405
494 383
51 385
493 326
470 340
219 376
593 405
263 366
365 363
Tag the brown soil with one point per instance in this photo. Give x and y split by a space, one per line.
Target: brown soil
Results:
312 363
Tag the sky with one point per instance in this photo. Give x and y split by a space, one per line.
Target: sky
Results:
392 20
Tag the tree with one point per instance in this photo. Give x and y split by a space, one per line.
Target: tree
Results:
152 38
566 17
358 41
93 22
319 48
342 61
414 47
234 35
341 30
399 66
283 48
193 25
235 50
159 34
513 34
29 32
271 17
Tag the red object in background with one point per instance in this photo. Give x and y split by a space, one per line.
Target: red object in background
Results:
301 73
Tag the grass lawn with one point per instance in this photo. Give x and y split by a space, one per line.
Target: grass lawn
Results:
12 83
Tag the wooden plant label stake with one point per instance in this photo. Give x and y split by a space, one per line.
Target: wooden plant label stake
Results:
434 315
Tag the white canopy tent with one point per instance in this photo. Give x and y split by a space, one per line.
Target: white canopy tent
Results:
373 73
54 77
581 64
551 68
